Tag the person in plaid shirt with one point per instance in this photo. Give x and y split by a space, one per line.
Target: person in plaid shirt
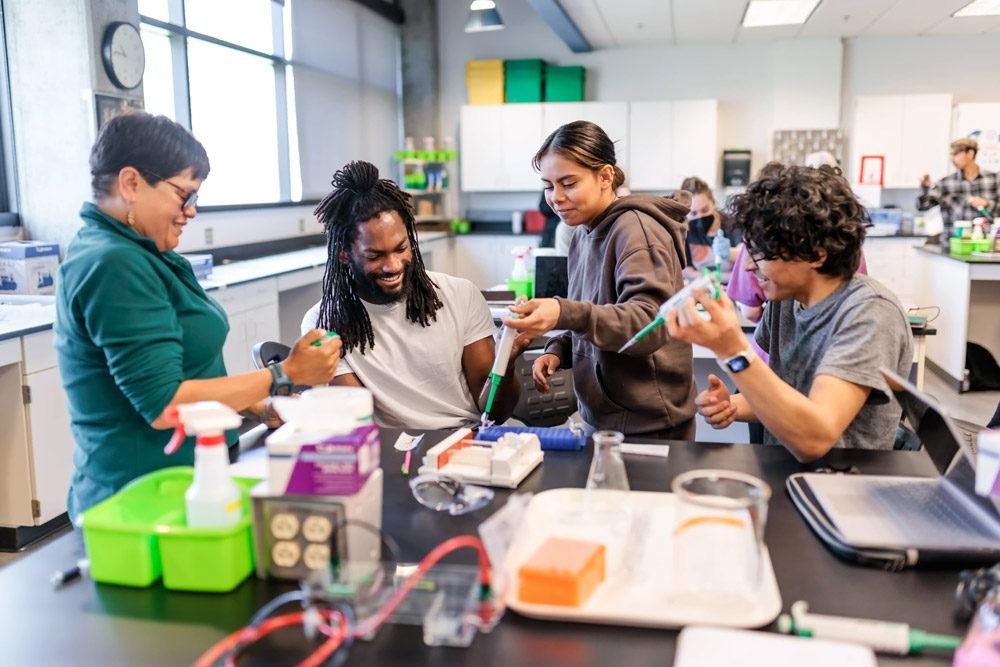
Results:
964 195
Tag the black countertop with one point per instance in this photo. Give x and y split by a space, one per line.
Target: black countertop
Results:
92 624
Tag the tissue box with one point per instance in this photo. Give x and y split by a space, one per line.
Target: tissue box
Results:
28 267
302 464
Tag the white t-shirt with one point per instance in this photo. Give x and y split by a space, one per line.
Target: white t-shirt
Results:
415 373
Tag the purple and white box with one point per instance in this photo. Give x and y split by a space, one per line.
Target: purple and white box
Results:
309 464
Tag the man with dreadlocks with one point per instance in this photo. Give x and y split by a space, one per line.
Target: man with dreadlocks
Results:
420 341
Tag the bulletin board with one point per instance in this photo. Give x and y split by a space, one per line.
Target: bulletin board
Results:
792 146
981 121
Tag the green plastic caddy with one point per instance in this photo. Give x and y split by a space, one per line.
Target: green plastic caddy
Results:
140 534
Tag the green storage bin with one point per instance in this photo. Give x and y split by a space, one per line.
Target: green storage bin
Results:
140 534
564 84
967 246
523 80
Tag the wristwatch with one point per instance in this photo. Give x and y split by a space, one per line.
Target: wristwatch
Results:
281 384
740 361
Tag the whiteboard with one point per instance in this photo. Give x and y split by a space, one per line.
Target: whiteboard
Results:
981 121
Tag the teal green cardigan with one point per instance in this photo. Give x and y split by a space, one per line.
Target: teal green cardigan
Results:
132 323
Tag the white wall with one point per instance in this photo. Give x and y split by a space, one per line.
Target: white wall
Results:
52 112
758 84
761 85
963 65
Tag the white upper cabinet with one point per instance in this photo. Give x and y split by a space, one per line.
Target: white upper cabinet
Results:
612 117
911 132
657 144
926 137
651 137
521 132
695 148
497 144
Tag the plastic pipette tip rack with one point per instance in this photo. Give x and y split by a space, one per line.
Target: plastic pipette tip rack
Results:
552 439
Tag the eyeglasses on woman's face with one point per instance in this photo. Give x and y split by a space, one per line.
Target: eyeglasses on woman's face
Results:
189 199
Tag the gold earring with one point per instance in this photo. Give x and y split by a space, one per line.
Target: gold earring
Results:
130 219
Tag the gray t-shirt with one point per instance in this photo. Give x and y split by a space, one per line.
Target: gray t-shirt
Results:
851 334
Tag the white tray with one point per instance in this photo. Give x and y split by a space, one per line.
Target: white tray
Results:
641 598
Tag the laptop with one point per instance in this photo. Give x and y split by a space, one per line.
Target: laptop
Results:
898 522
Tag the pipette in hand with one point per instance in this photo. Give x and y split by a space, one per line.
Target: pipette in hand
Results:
709 282
507 338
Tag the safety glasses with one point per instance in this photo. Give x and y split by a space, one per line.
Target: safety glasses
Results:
446 494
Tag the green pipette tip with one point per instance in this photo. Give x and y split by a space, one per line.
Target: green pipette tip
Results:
329 334
643 332
921 640
494 383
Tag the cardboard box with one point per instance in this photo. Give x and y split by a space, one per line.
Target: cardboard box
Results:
200 264
330 465
28 267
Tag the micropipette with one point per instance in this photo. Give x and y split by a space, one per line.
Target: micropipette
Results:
507 338
709 282
882 636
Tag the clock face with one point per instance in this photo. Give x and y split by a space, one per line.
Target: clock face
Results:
123 55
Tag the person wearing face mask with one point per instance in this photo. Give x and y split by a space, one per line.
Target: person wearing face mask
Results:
625 259
419 340
135 333
711 234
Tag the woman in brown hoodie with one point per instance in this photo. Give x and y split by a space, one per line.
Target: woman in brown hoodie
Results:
625 259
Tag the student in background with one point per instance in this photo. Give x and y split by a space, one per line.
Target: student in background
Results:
827 329
705 225
625 259
966 194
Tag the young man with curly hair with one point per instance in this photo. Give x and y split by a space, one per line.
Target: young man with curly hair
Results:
828 330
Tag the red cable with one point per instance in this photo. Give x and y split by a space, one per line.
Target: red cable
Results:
249 635
440 551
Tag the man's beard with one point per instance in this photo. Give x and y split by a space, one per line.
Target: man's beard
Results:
372 292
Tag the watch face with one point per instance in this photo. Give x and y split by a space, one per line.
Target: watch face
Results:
123 55
738 363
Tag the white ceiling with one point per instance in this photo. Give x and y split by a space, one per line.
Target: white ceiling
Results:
613 23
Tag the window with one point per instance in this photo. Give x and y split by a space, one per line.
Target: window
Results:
224 69
8 203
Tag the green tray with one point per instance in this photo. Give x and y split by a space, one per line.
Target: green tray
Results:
140 534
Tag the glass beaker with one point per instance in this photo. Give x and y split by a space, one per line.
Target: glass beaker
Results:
719 538
607 470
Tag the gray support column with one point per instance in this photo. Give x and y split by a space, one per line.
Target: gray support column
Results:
420 68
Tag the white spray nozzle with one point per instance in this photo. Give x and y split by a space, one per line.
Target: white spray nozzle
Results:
201 418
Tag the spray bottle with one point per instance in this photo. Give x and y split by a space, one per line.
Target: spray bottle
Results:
212 500
519 281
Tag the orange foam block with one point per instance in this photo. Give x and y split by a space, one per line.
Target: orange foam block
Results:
562 572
